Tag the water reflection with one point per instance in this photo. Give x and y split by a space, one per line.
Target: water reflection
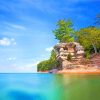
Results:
49 87
77 87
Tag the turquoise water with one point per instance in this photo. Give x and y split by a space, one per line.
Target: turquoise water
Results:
49 87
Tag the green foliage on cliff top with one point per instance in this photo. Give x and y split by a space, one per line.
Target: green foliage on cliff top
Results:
48 64
90 39
64 31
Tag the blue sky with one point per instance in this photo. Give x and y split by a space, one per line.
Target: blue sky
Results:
26 26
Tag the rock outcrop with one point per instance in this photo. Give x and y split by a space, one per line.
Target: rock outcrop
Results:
68 51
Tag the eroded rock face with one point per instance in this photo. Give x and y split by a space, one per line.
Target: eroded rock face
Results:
66 64
63 50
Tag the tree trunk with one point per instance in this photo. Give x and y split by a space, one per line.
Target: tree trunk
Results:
94 47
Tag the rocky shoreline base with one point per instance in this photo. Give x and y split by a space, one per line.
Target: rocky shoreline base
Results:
83 67
75 71
79 71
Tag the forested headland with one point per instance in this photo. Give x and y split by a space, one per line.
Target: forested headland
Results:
88 37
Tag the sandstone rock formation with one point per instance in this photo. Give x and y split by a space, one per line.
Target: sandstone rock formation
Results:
65 50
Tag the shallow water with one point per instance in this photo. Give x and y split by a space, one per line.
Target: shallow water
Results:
49 87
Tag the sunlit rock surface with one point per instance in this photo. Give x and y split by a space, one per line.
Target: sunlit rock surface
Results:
72 49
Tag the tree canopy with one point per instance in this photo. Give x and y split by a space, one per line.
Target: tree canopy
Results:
48 64
64 31
89 38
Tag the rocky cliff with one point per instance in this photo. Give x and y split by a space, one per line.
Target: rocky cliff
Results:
68 52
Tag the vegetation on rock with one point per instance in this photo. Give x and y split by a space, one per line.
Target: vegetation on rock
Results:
64 31
88 37
69 58
48 64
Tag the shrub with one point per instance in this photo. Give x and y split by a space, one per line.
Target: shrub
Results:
69 57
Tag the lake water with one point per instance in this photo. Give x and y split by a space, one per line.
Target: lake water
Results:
49 87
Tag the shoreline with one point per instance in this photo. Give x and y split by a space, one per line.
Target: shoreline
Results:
76 71
79 71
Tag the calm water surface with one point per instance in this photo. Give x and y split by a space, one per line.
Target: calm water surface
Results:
49 87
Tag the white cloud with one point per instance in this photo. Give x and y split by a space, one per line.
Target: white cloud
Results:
7 41
15 26
11 58
55 6
49 49
14 43
12 39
